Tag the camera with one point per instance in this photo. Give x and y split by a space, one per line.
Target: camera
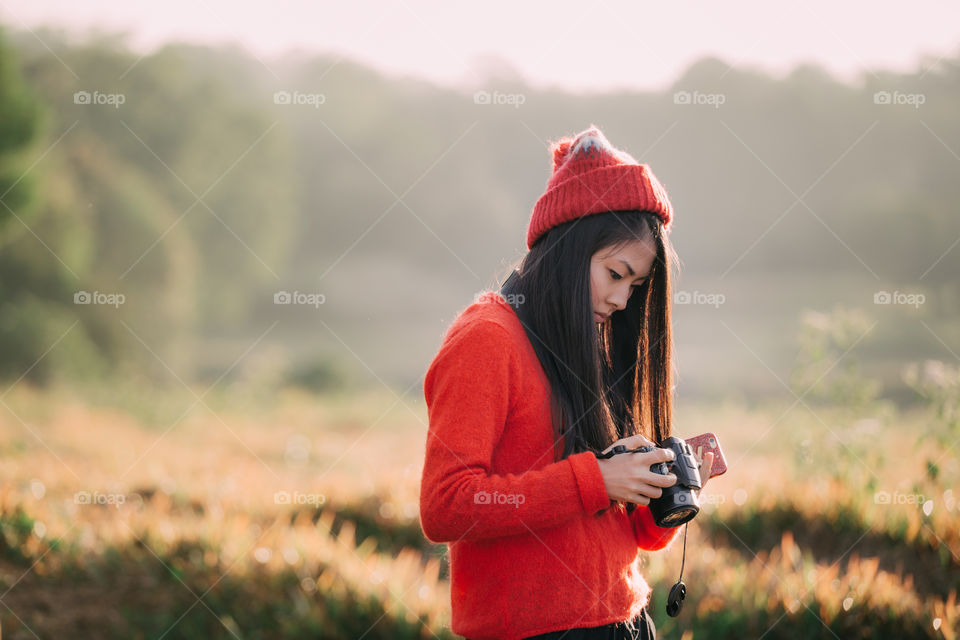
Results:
678 503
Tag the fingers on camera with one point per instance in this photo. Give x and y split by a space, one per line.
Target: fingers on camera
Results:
649 492
659 455
663 481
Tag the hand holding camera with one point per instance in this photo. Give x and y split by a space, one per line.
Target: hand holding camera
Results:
630 478
666 478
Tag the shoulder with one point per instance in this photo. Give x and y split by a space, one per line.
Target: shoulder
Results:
488 314
487 329
480 354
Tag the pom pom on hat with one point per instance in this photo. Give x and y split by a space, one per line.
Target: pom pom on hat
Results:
590 175
560 150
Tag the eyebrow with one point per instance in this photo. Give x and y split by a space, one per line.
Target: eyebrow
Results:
630 269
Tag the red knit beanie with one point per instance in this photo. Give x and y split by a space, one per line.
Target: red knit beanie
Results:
591 176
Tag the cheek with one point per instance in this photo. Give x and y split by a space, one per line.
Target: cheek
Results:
596 290
603 294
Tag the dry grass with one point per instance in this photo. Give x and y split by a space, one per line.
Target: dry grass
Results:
301 519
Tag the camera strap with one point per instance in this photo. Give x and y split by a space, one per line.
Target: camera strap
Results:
679 590
620 449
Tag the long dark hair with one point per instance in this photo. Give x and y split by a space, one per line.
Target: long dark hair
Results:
608 384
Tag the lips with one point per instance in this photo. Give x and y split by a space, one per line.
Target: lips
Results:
600 317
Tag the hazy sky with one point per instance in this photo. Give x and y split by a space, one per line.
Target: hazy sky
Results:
595 44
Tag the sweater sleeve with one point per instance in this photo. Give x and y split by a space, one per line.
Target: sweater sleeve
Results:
649 535
469 388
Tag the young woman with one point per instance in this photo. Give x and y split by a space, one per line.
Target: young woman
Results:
570 358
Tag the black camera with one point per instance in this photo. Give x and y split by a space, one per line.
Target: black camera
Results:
678 503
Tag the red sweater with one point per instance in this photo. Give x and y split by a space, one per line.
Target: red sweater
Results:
534 545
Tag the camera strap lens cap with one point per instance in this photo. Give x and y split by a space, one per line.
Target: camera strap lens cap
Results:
675 599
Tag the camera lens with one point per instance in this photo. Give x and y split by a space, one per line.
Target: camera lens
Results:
677 503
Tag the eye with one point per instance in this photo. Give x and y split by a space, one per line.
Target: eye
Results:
617 276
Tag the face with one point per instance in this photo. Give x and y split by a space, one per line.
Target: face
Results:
616 273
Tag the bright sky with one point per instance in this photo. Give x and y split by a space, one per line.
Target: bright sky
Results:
581 46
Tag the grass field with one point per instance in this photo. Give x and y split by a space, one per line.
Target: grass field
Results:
298 518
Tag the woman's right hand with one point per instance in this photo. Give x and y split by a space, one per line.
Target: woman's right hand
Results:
627 476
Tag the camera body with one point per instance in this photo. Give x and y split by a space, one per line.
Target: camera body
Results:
678 503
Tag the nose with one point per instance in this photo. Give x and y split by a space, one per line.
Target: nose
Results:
619 299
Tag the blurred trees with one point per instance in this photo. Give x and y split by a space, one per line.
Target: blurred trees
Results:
157 200
200 196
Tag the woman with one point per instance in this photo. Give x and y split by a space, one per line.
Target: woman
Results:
571 358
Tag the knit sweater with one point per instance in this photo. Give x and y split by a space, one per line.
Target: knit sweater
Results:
534 545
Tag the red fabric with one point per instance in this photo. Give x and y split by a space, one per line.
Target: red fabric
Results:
534 545
592 176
